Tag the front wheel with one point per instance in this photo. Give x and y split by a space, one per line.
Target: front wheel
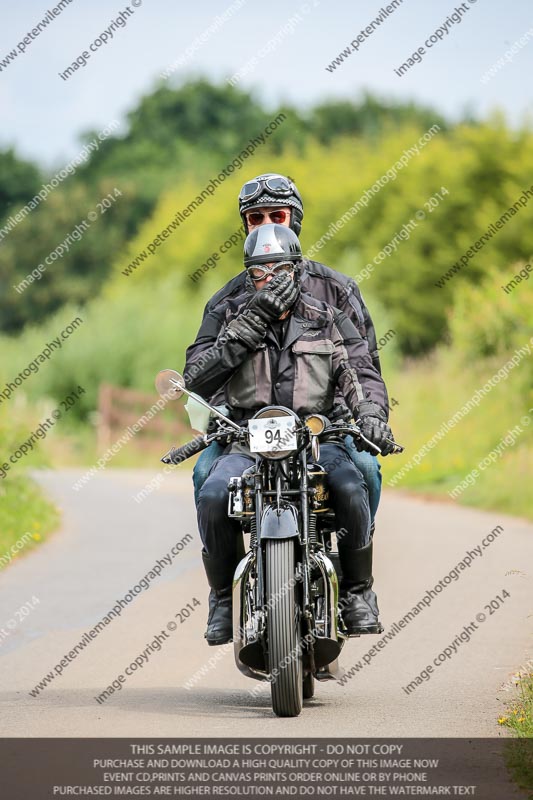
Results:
284 645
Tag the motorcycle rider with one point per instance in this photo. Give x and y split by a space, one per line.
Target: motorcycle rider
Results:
274 198
274 344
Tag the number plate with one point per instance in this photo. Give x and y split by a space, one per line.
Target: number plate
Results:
272 434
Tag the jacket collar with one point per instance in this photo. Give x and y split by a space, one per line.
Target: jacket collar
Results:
303 319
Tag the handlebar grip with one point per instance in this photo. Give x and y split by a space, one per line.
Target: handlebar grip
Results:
398 448
178 454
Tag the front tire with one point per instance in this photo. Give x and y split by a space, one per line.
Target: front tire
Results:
284 645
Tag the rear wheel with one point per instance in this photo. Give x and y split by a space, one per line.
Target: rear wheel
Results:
284 645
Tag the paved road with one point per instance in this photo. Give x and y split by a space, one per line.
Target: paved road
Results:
109 542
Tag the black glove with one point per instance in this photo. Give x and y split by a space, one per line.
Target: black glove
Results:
340 413
275 298
373 424
248 328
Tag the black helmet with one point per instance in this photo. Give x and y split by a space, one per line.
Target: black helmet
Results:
271 244
272 189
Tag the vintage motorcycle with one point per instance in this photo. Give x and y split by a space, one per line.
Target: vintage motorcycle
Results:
287 626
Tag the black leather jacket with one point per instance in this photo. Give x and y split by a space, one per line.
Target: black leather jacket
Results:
316 351
325 284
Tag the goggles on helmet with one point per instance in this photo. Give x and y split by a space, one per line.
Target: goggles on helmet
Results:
259 272
277 186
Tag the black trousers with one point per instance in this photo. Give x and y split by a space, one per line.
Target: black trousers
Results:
348 493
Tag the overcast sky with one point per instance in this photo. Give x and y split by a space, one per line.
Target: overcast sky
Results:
43 115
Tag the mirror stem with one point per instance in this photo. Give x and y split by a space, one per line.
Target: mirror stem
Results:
206 405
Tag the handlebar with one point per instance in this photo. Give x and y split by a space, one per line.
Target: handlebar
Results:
354 430
178 454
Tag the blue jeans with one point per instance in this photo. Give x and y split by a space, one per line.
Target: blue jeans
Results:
365 463
371 470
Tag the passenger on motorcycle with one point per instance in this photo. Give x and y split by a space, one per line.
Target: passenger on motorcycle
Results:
273 344
273 198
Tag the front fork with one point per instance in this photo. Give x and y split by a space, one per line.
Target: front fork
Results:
250 625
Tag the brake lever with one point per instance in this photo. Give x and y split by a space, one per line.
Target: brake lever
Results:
355 431
236 435
363 438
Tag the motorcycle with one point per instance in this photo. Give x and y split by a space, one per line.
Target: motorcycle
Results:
287 625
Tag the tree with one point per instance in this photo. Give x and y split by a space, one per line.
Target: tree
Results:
19 182
369 117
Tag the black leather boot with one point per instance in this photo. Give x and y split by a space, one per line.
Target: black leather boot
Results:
358 603
220 578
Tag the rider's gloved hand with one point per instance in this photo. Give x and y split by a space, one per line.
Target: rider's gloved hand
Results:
373 424
275 298
248 328
340 413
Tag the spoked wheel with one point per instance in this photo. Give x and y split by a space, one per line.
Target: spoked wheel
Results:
309 686
284 645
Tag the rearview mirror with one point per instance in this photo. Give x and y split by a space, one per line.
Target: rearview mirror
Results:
169 384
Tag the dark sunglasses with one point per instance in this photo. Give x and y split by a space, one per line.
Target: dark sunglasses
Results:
257 217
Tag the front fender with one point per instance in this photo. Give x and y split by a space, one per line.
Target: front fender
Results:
282 524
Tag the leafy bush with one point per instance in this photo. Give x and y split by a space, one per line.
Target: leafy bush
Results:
487 320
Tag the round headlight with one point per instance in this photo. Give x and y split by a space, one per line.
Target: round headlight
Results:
316 423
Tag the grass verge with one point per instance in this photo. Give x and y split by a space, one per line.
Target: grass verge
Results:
518 716
518 719
438 458
26 518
